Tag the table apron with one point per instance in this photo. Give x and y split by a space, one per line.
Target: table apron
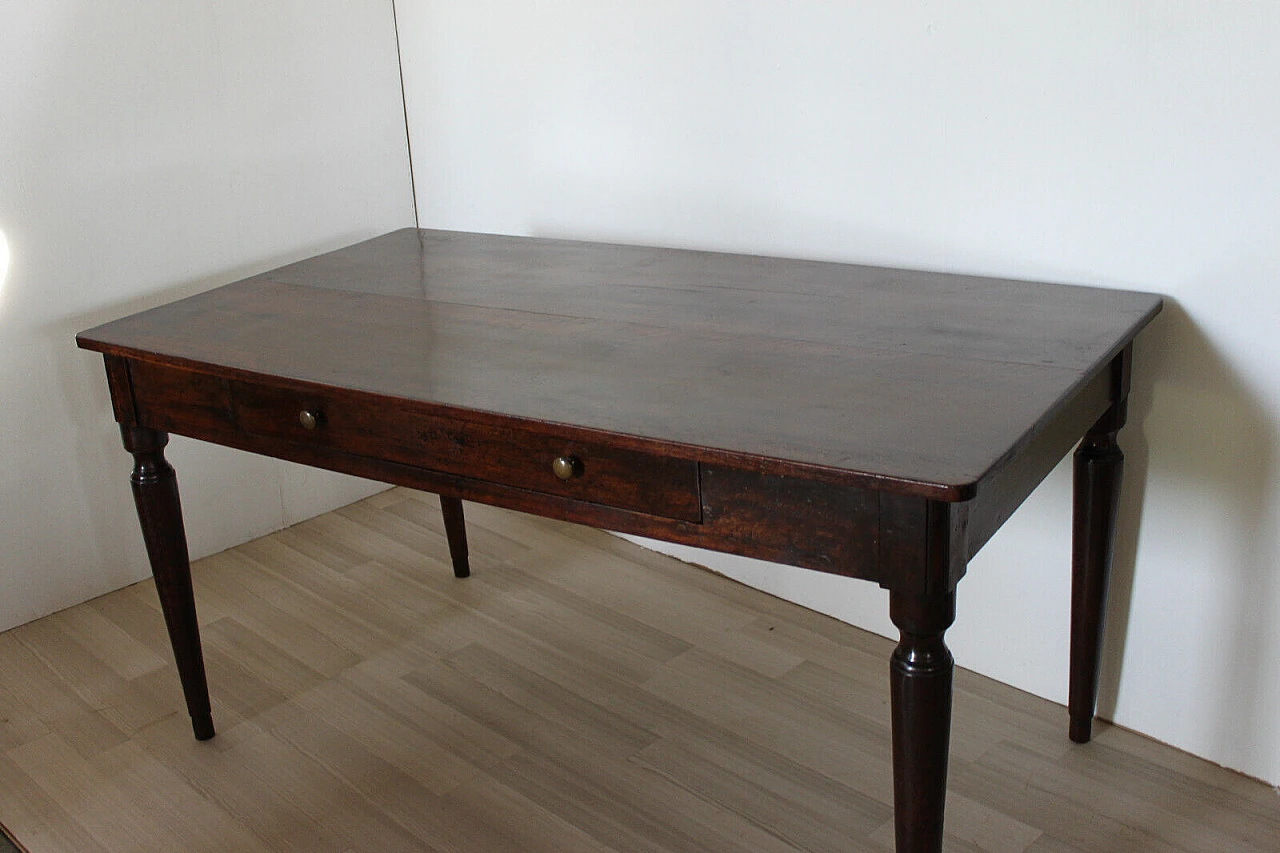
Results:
783 519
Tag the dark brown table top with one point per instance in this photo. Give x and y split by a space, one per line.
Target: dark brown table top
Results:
924 381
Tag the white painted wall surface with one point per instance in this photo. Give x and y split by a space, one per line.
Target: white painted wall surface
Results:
150 150
1123 143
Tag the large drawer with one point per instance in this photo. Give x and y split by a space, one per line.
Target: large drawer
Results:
538 459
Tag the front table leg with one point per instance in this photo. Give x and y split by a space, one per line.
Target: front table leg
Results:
1099 466
920 674
155 491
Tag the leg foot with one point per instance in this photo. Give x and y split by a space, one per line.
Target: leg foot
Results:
920 674
455 529
1099 466
202 726
155 492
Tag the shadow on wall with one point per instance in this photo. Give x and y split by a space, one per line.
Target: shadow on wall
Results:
4 263
1213 434
102 465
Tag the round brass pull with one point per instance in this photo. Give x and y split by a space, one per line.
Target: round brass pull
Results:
308 419
565 467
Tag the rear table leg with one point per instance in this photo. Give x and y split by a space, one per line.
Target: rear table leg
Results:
1099 467
455 529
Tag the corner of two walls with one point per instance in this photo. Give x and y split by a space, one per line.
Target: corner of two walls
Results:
152 151
1109 144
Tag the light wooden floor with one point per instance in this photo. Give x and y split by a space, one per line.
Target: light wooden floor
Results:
578 693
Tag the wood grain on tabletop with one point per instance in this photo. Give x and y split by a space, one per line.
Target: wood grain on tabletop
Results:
919 376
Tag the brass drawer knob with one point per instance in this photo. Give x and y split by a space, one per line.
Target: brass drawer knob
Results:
565 467
308 419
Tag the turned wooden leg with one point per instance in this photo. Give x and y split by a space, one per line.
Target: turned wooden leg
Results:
455 529
920 674
155 491
1099 466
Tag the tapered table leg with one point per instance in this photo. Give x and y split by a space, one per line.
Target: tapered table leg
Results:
455 529
155 491
1099 467
920 674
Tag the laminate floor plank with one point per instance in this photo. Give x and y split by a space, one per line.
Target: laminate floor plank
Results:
344 608
631 808
803 807
381 683
385 736
48 823
577 694
133 610
828 739
664 607
108 643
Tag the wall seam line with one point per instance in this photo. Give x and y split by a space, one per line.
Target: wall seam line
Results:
404 106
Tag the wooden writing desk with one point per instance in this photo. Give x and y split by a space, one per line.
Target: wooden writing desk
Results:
874 423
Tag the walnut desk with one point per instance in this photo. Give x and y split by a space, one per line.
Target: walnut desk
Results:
874 423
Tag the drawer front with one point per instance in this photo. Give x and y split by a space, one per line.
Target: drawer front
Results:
511 456
199 405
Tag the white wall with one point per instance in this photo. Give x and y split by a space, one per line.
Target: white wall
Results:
149 150
1115 142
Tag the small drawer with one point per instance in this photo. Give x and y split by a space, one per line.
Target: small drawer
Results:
510 455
